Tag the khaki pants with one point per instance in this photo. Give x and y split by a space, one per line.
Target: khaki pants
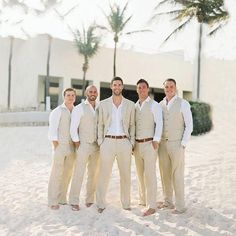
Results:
171 163
110 149
87 155
145 160
62 168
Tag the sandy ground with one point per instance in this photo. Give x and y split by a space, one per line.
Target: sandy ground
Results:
25 162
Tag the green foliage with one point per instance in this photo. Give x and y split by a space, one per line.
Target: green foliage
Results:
210 12
117 22
88 45
87 42
202 122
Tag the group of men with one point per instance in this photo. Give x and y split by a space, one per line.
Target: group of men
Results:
92 136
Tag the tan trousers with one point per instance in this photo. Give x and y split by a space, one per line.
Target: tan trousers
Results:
62 168
87 155
145 160
110 149
171 163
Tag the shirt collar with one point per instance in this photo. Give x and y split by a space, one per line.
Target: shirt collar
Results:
87 103
63 105
146 100
171 100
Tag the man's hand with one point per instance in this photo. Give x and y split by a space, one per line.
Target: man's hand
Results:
55 144
155 144
77 144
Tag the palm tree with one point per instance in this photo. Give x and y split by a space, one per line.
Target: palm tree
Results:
47 79
23 6
88 44
209 12
117 22
9 73
12 38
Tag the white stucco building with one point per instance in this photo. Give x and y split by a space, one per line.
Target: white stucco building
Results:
29 71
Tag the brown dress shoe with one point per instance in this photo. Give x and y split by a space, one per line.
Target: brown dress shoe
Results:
55 207
100 210
89 204
175 211
127 209
75 207
148 212
163 205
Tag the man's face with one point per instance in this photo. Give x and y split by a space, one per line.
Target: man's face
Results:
92 94
170 89
117 87
69 97
142 90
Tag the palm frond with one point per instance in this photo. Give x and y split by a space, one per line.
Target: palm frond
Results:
163 2
139 31
157 15
122 26
124 9
87 42
210 12
179 28
71 9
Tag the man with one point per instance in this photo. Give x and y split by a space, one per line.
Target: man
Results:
148 123
83 132
63 150
116 128
177 129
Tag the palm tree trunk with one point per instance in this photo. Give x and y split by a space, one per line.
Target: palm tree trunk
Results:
9 73
83 87
114 61
199 60
47 82
85 68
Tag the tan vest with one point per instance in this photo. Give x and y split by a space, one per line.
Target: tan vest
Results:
145 125
173 121
64 127
88 125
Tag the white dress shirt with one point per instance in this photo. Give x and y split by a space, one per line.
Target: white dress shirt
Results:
54 120
187 116
157 115
76 116
116 126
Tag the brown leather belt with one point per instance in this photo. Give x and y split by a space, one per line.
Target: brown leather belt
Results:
116 136
143 140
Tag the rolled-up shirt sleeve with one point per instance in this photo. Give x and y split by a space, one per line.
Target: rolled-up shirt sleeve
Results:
157 113
76 115
54 120
188 121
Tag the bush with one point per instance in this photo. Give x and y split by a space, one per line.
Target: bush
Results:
202 122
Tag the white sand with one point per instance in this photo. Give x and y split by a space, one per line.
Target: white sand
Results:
25 163
210 191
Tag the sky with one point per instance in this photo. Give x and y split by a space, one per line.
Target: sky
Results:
221 46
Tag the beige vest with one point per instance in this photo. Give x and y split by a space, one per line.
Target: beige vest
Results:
145 125
88 125
173 121
64 127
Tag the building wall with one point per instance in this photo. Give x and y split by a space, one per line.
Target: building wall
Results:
30 58
218 83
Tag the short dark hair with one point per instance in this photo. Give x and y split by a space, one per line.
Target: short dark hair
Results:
142 81
170 80
117 78
68 90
